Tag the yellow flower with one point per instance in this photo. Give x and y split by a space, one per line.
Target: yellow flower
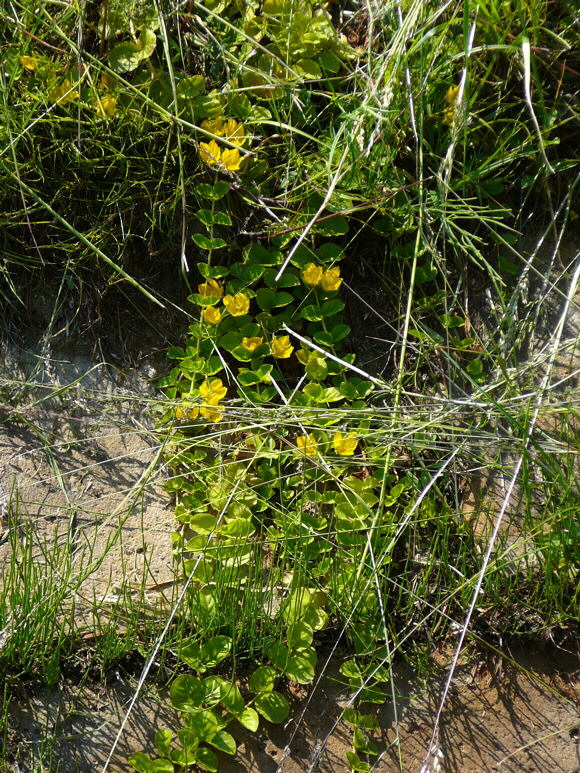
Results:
451 99
186 411
331 279
281 347
231 159
210 152
210 289
234 132
212 412
228 128
307 444
106 107
213 125
452 94
29 62
312 274
237 305
212 391
251 344
64 93
211 315
345 445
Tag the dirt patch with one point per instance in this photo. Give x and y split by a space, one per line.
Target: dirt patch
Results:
520 716
81 470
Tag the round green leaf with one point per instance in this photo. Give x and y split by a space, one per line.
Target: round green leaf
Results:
147 42
248 378
356 764
279 655
372 695
187 693
204 724
312 313
363 744
248 273
329 61
249 719
273 706
189 88
266 298
331 307
183 757
308 68
125 57
299 635
224 742
209 218
231 697
215 650
475 368
238 527
208 244
324 339
215 191
334 226
204 523
188 738
140 762
206 759
300 666
162 741
339 332
263 678
143 764
161 766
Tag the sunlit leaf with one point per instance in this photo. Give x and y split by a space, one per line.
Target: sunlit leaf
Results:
206 759
224 742
187 693
249 719
273 706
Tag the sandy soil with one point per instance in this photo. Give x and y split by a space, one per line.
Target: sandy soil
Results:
517 717
80 471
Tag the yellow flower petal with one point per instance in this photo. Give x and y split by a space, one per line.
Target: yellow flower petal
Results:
213 125
281 347
237 305
212 412
307 444
106 107
452 94
231 159
451 99
331 280
210 289
64 93
312 274
211 315
29 62
186 411
213 391
234 132
251 344
210 152
345 445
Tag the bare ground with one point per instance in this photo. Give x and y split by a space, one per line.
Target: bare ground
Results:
517 717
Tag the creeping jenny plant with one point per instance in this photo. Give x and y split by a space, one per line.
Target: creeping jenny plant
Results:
237 519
